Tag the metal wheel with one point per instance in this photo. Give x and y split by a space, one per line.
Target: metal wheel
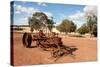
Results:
27 39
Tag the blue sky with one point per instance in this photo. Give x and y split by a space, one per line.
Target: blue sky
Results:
59 12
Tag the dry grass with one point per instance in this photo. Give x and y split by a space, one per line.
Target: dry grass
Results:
87 51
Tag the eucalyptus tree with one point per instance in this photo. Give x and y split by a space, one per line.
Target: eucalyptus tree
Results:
39 20
92 24
66 26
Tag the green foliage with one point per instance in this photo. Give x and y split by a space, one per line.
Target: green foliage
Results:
66 26
83 29
50 24
39 21
94 30
90 26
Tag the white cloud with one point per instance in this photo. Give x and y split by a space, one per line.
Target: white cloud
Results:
22 21
62 16
28 10
90 10
42 4
17 12
86 11
80 17
77 16
48 14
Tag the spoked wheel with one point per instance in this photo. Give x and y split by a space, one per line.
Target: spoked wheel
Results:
27 39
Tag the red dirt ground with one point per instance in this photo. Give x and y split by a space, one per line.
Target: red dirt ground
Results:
87 51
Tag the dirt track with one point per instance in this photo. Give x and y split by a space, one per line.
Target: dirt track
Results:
28 56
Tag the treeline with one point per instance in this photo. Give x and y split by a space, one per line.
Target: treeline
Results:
90 26
40 20
18 27
66 26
